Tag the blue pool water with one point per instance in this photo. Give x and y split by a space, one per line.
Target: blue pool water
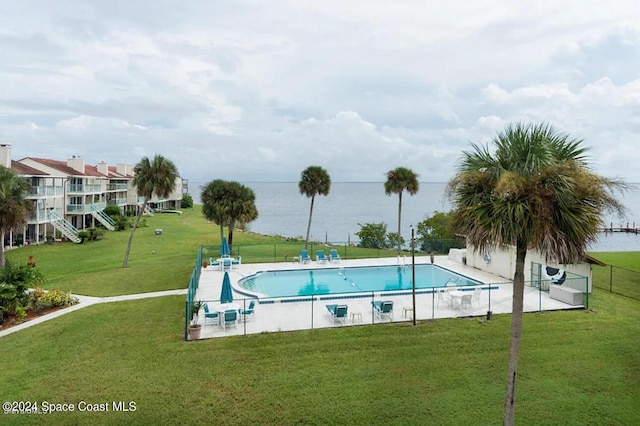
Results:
350 280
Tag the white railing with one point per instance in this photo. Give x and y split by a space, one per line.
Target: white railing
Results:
102 217
62 225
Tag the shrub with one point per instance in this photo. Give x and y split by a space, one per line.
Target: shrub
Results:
122 222
40 299
91 234
373 235
17 278
187 201
113 211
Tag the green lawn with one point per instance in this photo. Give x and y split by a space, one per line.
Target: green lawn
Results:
157 262
576 367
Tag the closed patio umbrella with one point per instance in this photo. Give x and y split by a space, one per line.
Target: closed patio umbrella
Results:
226 295
224 248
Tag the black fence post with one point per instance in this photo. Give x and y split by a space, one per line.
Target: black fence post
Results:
610 278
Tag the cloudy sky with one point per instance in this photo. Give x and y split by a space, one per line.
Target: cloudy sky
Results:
257 91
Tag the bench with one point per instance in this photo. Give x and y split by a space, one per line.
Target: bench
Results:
568 295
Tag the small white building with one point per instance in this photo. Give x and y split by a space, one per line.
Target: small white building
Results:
502 262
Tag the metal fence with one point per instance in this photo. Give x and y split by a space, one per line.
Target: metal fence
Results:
575 281
191 292
619 280
276 314
287 251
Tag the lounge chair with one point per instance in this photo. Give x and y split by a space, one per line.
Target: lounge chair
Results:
383 308
249 312
230 318
320 257
209 315
334 256
338 313
304 256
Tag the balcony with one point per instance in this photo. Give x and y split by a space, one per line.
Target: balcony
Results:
45 191
84 208
75 188
117 187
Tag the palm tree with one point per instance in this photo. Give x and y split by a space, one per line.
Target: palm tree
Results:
399 180
314 180
157 176
240 207
535 191
212 197
227 203
14 208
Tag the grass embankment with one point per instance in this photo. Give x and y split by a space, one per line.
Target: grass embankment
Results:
576 367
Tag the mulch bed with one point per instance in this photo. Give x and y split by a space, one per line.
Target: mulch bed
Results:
12 320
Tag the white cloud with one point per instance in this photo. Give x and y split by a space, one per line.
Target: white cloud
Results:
248 91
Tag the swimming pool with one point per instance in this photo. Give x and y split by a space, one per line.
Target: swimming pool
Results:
350 280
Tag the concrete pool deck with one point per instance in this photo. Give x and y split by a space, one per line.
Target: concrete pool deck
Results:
301 313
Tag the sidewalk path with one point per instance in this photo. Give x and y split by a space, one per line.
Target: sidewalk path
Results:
85 301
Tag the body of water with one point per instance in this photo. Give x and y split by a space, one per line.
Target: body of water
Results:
284 211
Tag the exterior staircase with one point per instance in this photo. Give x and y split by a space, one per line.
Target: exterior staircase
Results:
62 225
148 211
103 218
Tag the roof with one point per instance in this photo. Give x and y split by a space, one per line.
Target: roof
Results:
58 165
593 260
65 169
23 169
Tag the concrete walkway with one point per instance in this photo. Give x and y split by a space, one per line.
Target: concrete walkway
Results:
85 301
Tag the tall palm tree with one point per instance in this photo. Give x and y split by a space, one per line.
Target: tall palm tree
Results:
535 190
314 180
157 176
399 180
213 208
14 208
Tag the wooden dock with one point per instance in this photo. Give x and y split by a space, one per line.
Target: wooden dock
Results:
633 229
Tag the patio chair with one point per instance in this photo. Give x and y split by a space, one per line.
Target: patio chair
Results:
337 313
320 257
383 308
465 302
334 256
236 262
230 318
225 263
443 298
213 263
249 312
304 256
476 296
209 315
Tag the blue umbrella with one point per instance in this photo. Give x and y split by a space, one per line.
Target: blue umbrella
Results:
224 248
226 295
